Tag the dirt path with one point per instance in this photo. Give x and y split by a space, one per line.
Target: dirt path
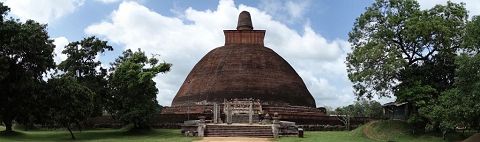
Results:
234 139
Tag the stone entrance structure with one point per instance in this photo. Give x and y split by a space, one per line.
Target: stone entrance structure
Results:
242 111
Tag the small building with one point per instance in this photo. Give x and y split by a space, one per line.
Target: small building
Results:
396 110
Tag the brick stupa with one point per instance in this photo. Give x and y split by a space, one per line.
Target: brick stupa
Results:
244 69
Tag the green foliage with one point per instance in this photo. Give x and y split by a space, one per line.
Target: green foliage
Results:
370 132
394 35
391 130
70 102
472 40
82 57
456 107
82 62
362 108
133 91
461 106
25 54
412 53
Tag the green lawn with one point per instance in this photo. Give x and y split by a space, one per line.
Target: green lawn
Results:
346 136
107 135
368 133
391 130
327 136
380 131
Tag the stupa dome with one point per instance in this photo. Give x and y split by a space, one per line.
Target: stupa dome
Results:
244 69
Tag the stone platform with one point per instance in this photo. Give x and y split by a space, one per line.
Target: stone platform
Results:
270 130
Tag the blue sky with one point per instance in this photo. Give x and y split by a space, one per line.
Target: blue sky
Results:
310 35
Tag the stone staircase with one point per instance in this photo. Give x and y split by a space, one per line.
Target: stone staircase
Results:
236 130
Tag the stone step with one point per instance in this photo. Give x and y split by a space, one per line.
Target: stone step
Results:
211 130
238 134
239 127
235 130
258 136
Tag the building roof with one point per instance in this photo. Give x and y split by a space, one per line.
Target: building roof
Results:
394 104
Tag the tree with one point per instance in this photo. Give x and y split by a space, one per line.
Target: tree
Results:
464 100
362 108
70 102
133 91
25 54
82 63
401 50
344 114
394 38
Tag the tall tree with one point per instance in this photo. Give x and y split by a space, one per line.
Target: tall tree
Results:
394 40
69 102
402 50
133 92
83 63
25 54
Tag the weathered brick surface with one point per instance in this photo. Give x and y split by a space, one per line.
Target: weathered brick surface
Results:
244 71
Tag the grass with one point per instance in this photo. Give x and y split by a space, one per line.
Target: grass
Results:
395 131
101 135
326 136
371 132
391 130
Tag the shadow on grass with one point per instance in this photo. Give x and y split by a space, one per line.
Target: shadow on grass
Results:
10 134
99 134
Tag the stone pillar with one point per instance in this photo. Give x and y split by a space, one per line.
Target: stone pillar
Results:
215 113
201 127
276 127
250 113
229 114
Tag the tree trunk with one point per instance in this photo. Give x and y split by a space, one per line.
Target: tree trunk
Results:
71 133
8 125
79 126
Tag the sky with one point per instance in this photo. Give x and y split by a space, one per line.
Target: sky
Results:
311 35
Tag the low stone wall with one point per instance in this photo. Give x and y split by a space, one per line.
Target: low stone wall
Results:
311 123
293 111
326 127
323 120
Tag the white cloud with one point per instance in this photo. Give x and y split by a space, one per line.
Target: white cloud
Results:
288 11
60 43
43 11
183 41
296 9
471 5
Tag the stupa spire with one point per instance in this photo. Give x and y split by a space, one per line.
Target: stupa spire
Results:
244 33
244 21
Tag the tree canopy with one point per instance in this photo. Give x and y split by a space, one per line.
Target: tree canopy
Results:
394 40
132 89
83 63
423 57
362 108
25 54
70 102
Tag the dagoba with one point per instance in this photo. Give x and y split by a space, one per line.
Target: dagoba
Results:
244 71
